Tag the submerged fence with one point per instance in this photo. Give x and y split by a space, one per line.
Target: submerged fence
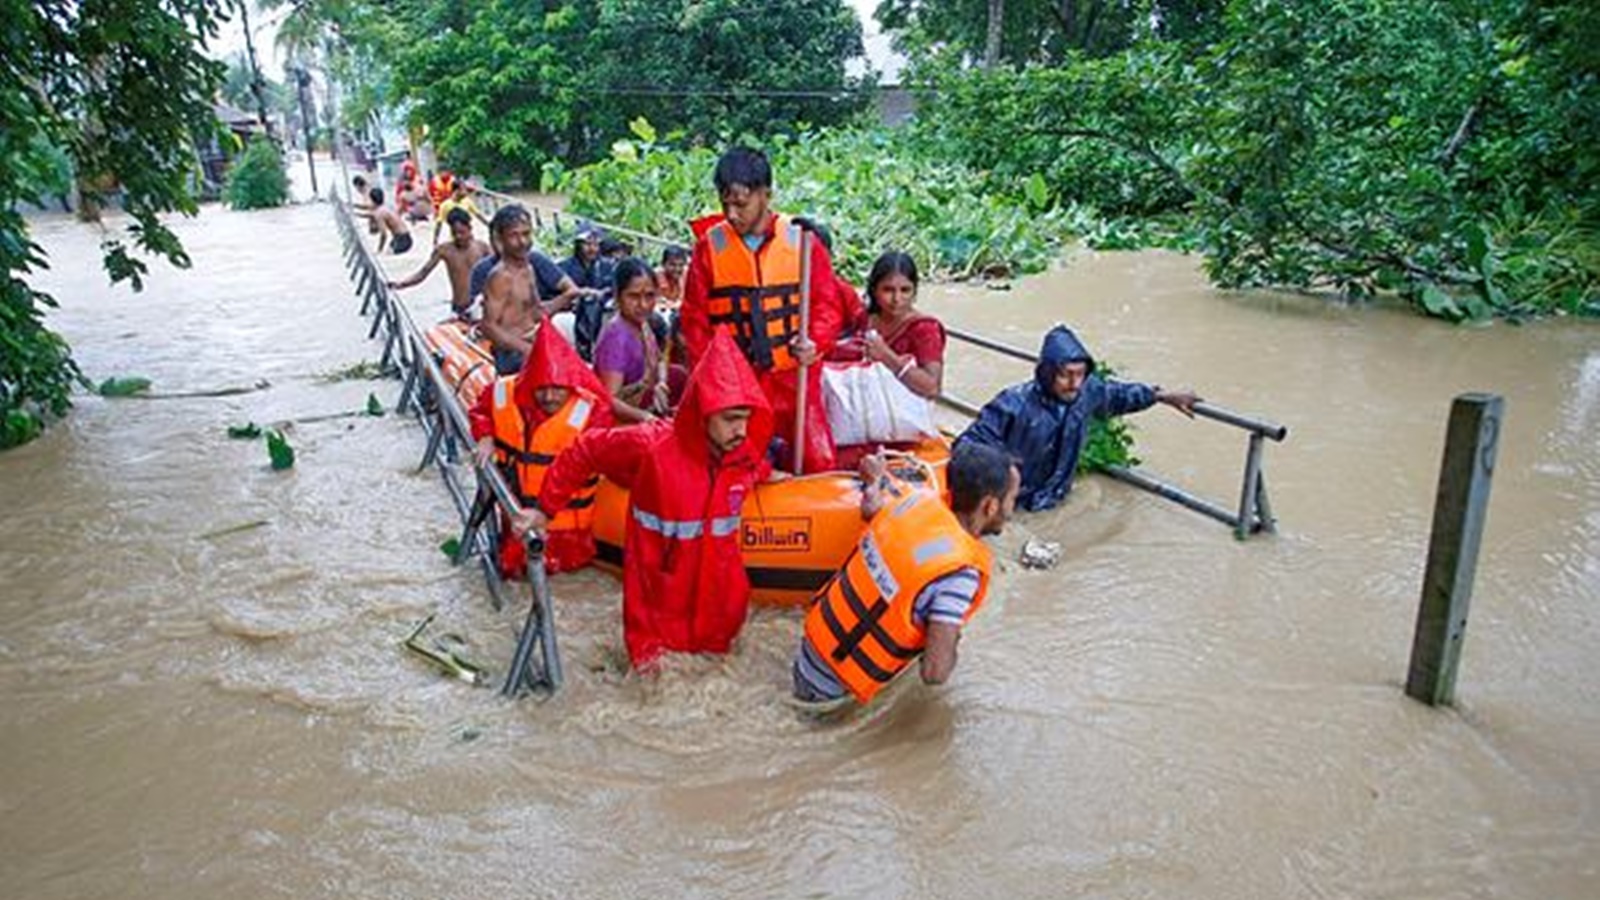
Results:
426 394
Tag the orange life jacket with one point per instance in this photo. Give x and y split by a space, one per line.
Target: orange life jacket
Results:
529 457
757 297
861 623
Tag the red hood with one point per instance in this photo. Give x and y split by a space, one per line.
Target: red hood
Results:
723 379
704 224
553 362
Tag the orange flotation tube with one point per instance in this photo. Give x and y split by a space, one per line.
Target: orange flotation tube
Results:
465 360
795 533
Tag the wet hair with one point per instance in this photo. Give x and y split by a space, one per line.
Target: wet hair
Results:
742 166
376 195
977 471
359 182
627 270
674 251
508 216
892 263
458 216
823 233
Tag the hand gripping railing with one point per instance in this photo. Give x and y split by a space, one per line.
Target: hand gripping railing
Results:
536 663
1254 513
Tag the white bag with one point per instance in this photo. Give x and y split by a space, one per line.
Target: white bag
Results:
868 405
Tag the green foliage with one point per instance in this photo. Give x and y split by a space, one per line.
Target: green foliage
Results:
1441 152
114 93
876 191
1111 441
506 87
1110 444
120 386
942 33
279 451
257 179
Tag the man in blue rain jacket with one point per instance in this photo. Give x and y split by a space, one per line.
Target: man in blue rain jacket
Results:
1044 423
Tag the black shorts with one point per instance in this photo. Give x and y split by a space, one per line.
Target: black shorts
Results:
401 243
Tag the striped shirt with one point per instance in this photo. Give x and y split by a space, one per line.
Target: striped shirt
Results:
945 599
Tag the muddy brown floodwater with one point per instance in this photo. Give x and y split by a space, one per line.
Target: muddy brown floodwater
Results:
1169 713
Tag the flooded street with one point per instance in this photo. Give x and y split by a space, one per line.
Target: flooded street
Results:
197 704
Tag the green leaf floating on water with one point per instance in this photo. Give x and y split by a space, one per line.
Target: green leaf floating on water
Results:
451 547
247 431
123 387
374 408
279 450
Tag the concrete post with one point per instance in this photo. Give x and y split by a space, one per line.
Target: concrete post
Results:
1459 510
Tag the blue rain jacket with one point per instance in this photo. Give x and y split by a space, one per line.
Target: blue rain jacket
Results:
1044 434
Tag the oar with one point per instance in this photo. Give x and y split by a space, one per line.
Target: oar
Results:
805 333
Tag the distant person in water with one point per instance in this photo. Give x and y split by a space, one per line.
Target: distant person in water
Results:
393 230
460 198
1044 423
459 255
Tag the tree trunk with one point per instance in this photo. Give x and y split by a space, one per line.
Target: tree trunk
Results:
991 45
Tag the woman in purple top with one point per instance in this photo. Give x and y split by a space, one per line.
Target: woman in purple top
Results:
626 356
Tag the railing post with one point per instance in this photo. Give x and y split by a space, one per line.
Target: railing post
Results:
1250 491
1459 509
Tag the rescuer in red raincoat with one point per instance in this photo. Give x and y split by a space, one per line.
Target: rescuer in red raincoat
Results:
744 278
684 587
525 422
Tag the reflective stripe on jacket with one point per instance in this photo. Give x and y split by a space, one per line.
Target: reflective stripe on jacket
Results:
757 295
862 623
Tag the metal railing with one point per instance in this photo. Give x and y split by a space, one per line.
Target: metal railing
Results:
548 218
426 393
1254 513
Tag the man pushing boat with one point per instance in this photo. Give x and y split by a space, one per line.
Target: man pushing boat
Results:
917 575
684 588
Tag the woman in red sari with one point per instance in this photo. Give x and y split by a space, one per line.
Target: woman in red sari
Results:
892 332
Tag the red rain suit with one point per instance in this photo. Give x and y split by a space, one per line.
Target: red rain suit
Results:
684 587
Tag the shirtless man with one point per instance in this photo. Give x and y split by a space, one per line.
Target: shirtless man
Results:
390 222
511 309
459 255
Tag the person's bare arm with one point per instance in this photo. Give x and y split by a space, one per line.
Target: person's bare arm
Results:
622 409
496 303
421 274
939 654
923 380
567 293
874 484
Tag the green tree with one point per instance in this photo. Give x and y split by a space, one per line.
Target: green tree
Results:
507 86
1443 151
123 88
257 179
1041 32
